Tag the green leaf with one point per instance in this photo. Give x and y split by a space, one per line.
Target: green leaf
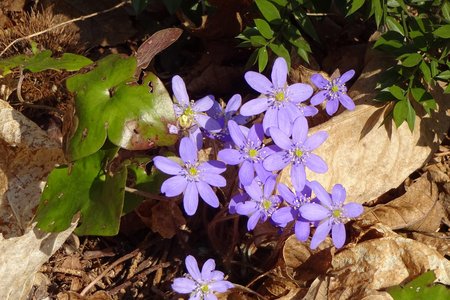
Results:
410 116
264 28
390 41
268 10
445 9
68 61
443 31
84 187
397 92
305 22
447 89
411 60
421 288
445 75
263 58
424 98
140 180
43 61
377 11
394 25
139 5
400 112
280 50
425 69
109 103
355 5
258 41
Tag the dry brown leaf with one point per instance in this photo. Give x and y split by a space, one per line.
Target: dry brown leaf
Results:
163 217
318 289
380 263
439 241
410 210
99 295
27 156
366 157
295 252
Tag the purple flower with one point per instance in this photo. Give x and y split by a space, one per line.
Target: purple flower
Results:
297 152
190 114
262 202
191 177
201 285
286 214
223 115
279 100
307 110
332 214
250 152
333 91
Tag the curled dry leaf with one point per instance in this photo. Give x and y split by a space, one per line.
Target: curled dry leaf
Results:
415 209
366 157
27 156
380 263
439 241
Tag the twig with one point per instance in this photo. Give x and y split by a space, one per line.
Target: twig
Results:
19 85
248 290
139 276
145 194
99 277
63 24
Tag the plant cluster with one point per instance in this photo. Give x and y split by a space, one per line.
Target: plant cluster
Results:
261 152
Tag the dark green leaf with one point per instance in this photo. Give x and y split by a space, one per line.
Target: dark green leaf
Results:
305 22
355 5
410 116
84 187
446 10
425 69
140 180
108 103
400 112
258 41
443 31
264 28
424 98
263 58
411 60
281 3
397 92
280 50
139 5
394 25
445 75
389 41
268 10
377 11
12 62
447 89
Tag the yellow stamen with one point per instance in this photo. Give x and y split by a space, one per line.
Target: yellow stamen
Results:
252 153
298 152
335 89
204 288
279 96
337 213
193 171
266 204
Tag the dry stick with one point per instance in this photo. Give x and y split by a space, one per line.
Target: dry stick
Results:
145 194
99 277
19 85
63 24
137 277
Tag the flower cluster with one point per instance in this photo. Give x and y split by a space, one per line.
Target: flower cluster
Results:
281 143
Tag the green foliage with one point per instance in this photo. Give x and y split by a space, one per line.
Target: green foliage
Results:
88 187
421 288
283 28
420 45
109 104
41 61
140 180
